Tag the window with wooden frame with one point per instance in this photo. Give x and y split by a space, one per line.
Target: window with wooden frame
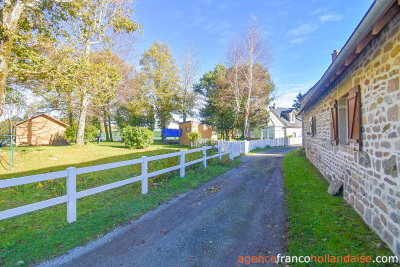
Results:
313 126
354 118
342 121
346 119
334 123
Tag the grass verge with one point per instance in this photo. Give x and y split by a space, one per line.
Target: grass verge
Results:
45 234
319 223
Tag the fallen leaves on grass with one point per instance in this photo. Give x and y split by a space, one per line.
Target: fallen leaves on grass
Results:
164 231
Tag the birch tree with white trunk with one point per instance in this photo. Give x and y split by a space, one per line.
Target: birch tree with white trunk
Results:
253 52
189 68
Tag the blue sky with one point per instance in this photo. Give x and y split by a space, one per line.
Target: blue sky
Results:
302 33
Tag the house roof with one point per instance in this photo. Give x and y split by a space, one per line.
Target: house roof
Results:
379 14
44 115
283 113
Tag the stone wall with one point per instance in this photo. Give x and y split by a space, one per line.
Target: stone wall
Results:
370 176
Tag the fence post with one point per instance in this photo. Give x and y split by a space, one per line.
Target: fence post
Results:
182 173
205 156
71 193
145 181
219 150
246 147
231 151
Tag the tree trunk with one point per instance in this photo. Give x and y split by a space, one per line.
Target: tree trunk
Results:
5 52
80 134
246 124
248 131
184 115
98 139
110 128
11 14
227 135
233 133
105 125
70 109
10 126
162 124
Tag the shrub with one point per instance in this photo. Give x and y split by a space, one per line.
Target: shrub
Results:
91 132
194 138
211 142
137 137
70 133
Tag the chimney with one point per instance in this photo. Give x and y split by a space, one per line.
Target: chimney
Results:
334 55
274 105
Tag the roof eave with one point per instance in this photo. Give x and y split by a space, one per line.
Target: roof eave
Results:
374 14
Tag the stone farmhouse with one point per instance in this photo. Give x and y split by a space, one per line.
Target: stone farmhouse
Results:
40 130
351 121
282 123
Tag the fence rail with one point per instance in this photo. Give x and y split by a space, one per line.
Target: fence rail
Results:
246 146
233 148
72 172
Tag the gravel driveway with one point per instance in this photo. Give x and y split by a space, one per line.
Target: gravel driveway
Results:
241 213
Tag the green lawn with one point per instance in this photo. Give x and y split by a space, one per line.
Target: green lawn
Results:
44 234
40 159
319 223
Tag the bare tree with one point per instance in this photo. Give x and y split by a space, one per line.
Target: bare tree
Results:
189 69
251 52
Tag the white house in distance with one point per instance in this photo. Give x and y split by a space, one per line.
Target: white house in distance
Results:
282 123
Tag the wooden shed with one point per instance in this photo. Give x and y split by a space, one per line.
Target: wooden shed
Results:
40 130
190 126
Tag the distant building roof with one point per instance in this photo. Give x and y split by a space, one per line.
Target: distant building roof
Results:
283 115
47 116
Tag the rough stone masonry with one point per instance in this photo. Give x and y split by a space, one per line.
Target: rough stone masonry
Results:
370 176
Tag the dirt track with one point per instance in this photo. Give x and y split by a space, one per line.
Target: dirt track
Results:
241 213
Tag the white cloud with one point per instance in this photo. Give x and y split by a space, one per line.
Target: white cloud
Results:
276 3
304 29
199 20
225 36
176 14
216 26
319 11
299 40
286 93
225 5
330 17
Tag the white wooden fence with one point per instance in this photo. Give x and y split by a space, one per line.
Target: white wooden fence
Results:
70 173
247 146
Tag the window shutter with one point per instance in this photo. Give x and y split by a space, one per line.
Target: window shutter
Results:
354 118
313 126
334 125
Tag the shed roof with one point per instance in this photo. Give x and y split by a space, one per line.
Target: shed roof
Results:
46 116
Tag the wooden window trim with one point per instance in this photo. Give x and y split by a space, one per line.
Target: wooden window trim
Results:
354 117
334 122
313 126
